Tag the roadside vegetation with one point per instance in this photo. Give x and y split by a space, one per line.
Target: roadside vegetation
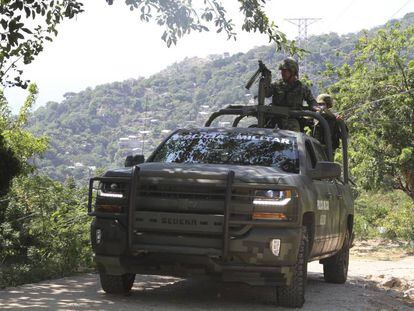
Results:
385 214
43 223
375 93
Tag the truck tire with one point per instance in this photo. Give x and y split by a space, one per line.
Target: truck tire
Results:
116 284
335 268
293 296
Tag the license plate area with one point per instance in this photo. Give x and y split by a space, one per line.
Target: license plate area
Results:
178 222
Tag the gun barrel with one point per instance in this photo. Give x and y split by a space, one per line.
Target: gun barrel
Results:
252 79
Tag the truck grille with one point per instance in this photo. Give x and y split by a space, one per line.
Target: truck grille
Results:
182 191
187 214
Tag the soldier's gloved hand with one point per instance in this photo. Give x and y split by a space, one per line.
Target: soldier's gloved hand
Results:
264 69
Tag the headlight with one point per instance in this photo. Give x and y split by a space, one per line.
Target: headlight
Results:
110 190
110 194
272 197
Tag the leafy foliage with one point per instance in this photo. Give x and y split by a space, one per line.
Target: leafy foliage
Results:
9 166
376 93
26 26
181 17
17 145
43 225
386 214
257 20
44 230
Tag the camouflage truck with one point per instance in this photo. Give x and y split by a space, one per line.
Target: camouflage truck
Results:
243 204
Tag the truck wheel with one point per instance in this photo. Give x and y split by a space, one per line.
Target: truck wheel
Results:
293 296
116 284
335 268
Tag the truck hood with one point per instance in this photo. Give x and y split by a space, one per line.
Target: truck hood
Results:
247 174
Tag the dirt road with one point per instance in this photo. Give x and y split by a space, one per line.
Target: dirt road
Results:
363 291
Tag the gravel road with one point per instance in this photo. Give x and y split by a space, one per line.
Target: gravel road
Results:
167 293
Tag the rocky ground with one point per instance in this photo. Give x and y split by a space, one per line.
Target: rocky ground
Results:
384 265
381 277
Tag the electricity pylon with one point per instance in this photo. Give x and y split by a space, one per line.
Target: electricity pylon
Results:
302 38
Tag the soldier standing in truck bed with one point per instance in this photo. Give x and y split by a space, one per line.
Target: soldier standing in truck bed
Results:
289 92
324 107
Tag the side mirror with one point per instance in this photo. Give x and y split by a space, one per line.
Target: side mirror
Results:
324 170
134 160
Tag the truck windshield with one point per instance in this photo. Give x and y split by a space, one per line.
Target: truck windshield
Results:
235 148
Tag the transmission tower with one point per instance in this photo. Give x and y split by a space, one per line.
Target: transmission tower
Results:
302 38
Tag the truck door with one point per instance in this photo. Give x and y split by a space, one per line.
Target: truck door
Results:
326 208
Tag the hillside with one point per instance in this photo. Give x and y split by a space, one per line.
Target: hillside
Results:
98 127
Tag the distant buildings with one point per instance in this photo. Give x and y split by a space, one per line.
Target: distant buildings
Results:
218 56
129 142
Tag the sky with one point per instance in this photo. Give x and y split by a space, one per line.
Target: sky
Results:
109 43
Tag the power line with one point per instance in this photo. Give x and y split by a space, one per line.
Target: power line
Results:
381 99
66 222
374 103
378 120
403 6
339 16
18 220
332 21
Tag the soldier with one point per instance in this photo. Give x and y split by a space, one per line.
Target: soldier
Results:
289 91
324 106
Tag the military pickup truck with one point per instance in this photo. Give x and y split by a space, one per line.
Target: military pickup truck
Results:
243 204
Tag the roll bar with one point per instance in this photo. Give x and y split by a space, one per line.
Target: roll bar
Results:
344 139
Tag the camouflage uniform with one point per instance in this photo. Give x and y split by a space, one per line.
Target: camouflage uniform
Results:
324 105
289 94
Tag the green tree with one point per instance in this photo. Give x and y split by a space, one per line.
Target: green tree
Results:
23 143
44 230
376 93
26 26
9 166
17 145
388 214
43 227
181 17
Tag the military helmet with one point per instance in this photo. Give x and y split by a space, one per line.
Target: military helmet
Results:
291 65
325 99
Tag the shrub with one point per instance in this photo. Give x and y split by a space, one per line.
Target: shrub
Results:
44 231
384 214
